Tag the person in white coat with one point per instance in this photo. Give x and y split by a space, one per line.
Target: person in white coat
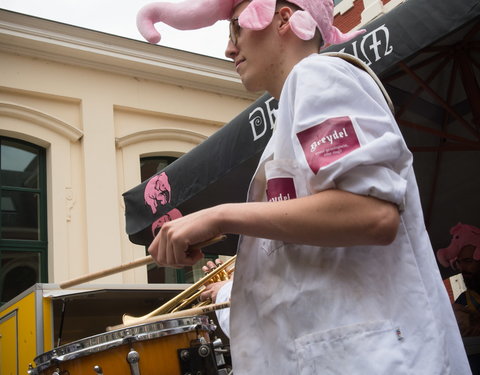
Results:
335 273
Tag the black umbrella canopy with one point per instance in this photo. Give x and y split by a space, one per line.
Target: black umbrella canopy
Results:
407 29
438 102
426 52
216 171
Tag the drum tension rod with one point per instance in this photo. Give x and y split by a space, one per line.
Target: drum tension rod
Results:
133 358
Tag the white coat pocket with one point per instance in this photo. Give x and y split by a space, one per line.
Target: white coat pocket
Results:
373 348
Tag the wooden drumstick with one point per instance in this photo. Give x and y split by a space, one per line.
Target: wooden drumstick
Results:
178 314
127 266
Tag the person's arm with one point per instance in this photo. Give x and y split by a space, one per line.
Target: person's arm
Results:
328 218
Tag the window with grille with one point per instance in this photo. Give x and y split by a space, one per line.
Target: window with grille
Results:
23 220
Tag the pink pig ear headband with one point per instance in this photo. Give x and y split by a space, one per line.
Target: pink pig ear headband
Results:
195 14
462 235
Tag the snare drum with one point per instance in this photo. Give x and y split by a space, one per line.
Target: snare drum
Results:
153 348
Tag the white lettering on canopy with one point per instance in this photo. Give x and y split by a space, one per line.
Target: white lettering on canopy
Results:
259 120
374 45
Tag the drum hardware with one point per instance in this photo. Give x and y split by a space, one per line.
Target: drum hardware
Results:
219 352
32 370
132 358
200 358
98 370
194 311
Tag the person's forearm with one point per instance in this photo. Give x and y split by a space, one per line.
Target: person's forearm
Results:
329 218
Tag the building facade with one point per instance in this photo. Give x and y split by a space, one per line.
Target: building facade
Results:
79 110
352 14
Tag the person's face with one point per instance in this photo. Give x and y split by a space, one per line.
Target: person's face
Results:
253 53
469 267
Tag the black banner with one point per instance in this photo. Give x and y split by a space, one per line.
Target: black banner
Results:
407 29
216 171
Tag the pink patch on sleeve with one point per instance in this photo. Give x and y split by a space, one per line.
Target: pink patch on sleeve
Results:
329 141
281 189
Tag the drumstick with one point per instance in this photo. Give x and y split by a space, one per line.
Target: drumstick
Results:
127 266
178 314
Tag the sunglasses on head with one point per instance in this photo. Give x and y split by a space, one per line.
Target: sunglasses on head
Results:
234 29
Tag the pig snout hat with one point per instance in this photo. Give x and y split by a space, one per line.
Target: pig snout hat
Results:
462 235
195 14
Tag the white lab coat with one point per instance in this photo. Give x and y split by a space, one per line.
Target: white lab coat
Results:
363 310
223 315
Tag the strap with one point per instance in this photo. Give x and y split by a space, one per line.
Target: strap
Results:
360 64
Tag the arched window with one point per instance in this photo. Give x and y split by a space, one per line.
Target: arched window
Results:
154 164
23 221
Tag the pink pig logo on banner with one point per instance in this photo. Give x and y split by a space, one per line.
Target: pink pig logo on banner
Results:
329 141
169 216
281 189
157 191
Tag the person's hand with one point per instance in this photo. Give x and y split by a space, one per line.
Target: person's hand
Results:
211 290
211 266
172 246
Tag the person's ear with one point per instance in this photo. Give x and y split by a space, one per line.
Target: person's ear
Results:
284 14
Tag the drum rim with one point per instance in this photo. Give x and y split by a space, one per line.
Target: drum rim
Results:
122 336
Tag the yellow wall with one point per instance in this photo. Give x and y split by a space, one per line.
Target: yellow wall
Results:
18 336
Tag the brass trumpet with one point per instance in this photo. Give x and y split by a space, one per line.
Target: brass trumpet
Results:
189 295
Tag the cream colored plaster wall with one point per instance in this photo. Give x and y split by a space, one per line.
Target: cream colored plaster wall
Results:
66 109
95 126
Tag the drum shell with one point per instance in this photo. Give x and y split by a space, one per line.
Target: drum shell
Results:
157 345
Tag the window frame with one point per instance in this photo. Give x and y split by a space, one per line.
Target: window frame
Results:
39 246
